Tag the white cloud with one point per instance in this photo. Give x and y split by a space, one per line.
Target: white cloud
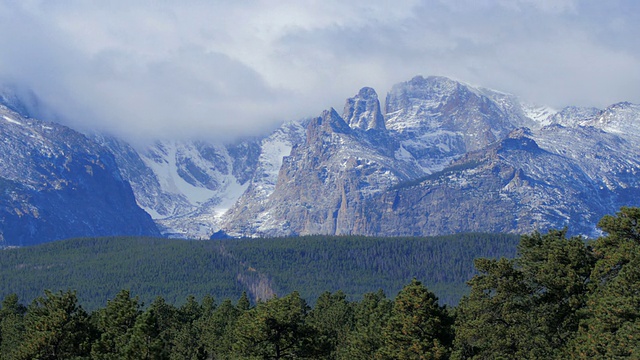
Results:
229 68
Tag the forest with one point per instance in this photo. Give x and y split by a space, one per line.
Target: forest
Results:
557 298
97 269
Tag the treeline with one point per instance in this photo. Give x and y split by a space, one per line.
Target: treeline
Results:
97 269
559 298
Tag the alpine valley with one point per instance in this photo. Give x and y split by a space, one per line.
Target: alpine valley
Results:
440 157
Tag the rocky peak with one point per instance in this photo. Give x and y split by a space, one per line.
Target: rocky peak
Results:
572 116
621 118
57 183
328 123
420 91
519 139
362 111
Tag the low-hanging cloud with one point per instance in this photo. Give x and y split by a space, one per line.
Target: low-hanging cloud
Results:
150 69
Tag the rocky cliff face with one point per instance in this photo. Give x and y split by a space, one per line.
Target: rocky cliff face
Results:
450 158
511 186
55 183
362 112
186 185
441 157
323 185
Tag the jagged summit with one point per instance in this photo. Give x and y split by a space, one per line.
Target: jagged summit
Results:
620 118
443 156
330 121
363 112
427 94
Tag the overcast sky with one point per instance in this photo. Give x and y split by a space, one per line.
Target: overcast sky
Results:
219 69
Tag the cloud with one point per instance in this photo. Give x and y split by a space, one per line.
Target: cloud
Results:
150 69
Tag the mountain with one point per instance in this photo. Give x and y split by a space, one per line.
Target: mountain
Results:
438 157
450 158
55 183
187 186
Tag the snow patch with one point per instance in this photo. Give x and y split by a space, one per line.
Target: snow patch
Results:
12 120
540 114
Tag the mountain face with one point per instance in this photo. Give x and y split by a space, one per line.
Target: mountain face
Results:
440 157
450 158
55 183
187 186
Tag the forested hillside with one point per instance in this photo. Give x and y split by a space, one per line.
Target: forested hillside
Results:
99 268
559 298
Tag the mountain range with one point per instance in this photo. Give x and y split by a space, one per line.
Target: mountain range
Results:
440 157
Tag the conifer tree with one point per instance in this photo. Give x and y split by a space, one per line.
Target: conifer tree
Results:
370 318
611 320
56 327
276 329
115 323
418 328
217 327
526 308
11 326
332 318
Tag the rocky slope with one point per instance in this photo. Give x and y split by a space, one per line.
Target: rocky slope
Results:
187 186
55 183
442 157
450 158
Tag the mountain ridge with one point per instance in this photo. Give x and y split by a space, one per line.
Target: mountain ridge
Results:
349 173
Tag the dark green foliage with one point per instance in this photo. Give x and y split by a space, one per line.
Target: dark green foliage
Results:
366 337
147 340
559 298
357 264
55 328
277 329
332 318
11 326
216 328
526 308
418 327
611 320
187 340
99 268
115 323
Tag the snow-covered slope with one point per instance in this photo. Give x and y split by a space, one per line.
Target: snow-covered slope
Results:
443 156
188 186
55 183
451 157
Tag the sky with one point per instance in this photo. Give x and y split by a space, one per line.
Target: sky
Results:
150 69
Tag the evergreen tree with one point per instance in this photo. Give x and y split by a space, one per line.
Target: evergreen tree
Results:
146 341
243 303
56 327
276 329
418 328
115 323
611 324
187 343
370 318
216 327
527 308
332 318
11 326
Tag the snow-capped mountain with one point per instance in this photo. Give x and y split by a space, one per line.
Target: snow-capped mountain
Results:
450 158
55 183
442 157
187 186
